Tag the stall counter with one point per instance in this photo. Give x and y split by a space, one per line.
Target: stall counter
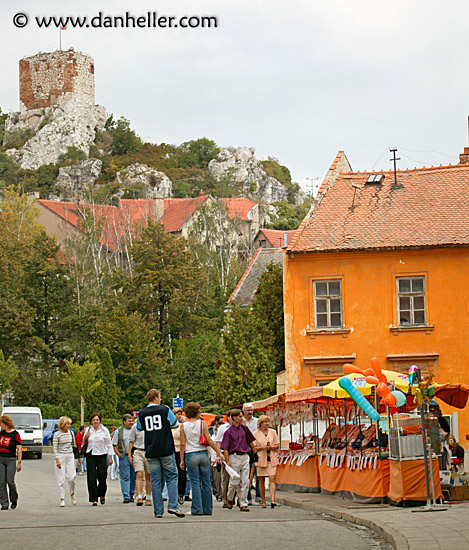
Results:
299 479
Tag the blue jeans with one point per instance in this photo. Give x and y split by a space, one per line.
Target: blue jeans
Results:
200 471
167 464
127 476
82 466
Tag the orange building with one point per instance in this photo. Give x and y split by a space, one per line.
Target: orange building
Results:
380 267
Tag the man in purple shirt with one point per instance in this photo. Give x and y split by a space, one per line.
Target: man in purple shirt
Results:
236 444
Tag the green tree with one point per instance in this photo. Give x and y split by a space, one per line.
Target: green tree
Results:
106 394
80 381
124 139
268 308
198 152
288 216
8 373
72 155
246 371
193 371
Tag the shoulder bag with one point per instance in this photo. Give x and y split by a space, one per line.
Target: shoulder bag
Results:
76 452
202 438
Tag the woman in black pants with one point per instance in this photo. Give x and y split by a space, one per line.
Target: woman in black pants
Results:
99 446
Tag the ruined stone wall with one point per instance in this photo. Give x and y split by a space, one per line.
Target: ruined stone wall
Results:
48 79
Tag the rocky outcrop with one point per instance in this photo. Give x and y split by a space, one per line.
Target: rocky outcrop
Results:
241 166
154 184
76 180
72 124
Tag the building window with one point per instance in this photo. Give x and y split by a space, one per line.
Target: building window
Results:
328 303
411 301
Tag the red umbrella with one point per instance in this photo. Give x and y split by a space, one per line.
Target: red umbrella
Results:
455 395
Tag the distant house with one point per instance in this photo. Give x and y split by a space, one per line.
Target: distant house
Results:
380 267
273 238
178 216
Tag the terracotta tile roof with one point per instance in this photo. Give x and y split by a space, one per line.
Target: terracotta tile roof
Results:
113 229
428 208
276 237
238 207
178 211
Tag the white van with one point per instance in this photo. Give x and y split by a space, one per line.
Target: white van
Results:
28 423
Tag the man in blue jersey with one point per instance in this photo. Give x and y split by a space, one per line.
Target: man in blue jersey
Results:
157 421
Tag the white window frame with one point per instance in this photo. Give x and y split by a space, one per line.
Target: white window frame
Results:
328 299
411 295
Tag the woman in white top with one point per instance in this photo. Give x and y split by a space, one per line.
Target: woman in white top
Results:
64 467
197 460
99 446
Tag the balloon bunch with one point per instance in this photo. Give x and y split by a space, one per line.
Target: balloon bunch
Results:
376 377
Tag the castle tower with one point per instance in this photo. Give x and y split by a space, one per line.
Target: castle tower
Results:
48 79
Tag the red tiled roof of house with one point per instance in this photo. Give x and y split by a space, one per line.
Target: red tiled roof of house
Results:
428 208
238 207
277 237
112 231
178 211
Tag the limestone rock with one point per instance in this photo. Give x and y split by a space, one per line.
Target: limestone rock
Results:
241 165
72 124
75 180
153 183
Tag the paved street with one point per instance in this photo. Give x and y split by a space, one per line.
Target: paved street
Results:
39 522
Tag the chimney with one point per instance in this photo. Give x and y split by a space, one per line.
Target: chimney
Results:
158 208
285 239
464 157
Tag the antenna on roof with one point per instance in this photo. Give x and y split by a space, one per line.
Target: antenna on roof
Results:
310 189
394 159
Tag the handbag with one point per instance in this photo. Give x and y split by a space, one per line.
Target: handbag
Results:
202 438
84 446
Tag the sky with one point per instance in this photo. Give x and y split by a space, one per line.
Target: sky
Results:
297 80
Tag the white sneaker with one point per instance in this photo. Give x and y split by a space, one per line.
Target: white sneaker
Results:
62 502
74 500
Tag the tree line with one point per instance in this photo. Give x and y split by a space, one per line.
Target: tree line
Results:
82 322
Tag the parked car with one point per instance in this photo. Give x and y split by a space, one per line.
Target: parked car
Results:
50 426
28 423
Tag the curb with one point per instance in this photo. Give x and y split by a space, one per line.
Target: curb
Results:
398 541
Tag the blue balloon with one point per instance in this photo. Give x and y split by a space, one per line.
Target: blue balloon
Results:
400 398
346 384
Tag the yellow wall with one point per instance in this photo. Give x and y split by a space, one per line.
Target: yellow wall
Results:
369 312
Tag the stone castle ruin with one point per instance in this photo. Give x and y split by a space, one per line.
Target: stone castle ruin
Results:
57 108
48 79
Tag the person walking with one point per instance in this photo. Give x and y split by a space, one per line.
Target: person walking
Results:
81 467
99 446
182 477
138 460
237 443
64 467
10 462
120 442
195 438
251 422
225 478
266 445
215 459
157 421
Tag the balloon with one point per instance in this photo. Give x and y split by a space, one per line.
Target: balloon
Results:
400 398
372 380
352 369
390 400
369 372
377 368
412 373
346 384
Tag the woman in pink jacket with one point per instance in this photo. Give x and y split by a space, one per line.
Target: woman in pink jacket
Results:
267 445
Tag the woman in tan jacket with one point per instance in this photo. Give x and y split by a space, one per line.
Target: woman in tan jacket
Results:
267 445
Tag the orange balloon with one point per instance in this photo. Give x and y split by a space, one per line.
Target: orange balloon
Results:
352 369
390 400
377 368
382 389
369 372
372 380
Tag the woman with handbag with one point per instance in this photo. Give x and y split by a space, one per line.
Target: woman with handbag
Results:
195 439
65 450
267 445
10 462
98 445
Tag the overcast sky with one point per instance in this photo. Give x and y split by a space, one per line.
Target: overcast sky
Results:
297 80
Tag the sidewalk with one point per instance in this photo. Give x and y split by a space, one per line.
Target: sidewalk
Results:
404 529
